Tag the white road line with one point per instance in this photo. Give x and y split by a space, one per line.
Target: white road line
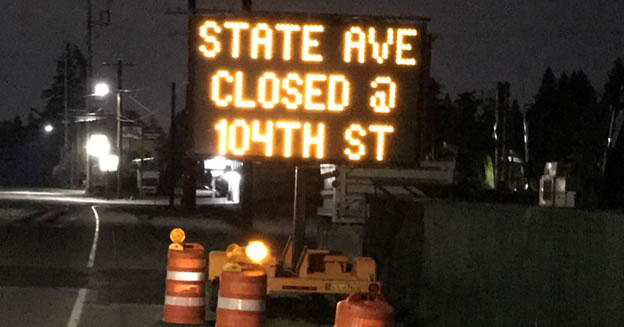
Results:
95 239
74 318
76 314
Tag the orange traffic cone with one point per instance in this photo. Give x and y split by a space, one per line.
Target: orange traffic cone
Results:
365 309
241 298
184 294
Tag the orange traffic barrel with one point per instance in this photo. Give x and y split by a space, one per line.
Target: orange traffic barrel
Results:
242 296
184 292
365 310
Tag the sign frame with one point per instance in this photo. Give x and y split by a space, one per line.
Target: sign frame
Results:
421 76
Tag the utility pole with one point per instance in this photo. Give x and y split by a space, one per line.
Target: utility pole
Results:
607 168
88 90
424 82
89 47
609 140
299 212
500 137
104 20
189 164
66 101
248 173
66 115
504 149
614 115
119 111
525 129
172 137
119 65
246 5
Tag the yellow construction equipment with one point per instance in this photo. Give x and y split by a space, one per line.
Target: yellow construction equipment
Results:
317 271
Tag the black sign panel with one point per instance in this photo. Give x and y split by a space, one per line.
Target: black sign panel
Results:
305 87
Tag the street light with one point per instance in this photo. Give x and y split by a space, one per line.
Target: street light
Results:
98 145
101 89
48 128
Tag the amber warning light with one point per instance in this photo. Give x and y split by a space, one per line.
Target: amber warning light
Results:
323 88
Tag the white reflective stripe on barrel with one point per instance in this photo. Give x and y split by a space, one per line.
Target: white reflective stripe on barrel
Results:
184 301
240 304
186 276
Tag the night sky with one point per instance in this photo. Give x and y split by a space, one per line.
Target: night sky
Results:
479 42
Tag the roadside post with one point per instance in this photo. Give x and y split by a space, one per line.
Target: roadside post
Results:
172 139
299 212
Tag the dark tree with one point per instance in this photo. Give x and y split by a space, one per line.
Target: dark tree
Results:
613 89
541 117
55 94
32 153
557 117
566 124
439 124
613 104
587 131
474 138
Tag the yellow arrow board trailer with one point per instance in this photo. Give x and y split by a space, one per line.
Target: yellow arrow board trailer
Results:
317 271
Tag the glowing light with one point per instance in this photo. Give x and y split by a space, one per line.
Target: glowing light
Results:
236 28
383 101
354 141
334 80
287 29
311 92
401 46
48 128
239 88
266 138
256 251
239 124
297 99
261 35
101 89
262 87
308 43
216 163
215 94
358 44
318 140
98 145
288 127
221 128
215 45
109 162
381 131
381 52
177 235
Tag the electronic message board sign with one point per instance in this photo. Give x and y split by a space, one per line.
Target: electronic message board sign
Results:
322 88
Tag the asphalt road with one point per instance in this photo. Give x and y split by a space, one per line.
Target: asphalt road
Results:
105 265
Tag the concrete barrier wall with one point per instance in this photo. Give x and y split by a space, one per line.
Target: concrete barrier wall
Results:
502 265
475 264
